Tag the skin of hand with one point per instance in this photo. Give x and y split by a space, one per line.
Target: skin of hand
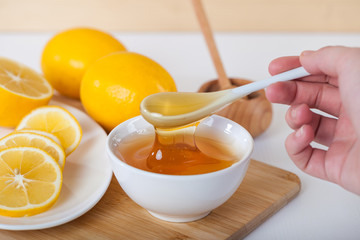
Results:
332 88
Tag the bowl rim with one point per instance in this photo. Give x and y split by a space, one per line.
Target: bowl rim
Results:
112 156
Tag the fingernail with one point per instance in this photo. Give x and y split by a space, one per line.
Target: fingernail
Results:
300 132
307 53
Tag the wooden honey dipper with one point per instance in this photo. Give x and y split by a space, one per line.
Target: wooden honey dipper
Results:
253 112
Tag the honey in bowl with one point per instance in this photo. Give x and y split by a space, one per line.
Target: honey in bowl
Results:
180 198
177 147
180 151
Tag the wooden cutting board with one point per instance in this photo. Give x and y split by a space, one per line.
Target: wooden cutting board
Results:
263 192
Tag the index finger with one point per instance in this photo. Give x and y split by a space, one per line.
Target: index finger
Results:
316 90
283 64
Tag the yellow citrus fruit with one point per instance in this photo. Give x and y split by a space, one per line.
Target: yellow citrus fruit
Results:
114 86
30 181
46 134
21 90
57 121
28 139
69 53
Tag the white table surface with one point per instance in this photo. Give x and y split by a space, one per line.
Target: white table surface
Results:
322 210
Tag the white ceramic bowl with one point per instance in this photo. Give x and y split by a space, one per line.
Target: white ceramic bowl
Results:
182 198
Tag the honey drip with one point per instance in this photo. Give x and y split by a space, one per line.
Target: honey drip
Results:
175 152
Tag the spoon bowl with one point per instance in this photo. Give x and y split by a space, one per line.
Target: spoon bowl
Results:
173 109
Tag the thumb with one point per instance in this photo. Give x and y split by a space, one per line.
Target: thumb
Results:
327 60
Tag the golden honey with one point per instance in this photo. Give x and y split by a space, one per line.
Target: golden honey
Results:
175 151
172 103
178 150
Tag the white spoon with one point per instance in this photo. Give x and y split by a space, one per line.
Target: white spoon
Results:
174 109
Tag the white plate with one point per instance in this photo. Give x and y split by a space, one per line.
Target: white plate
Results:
86 177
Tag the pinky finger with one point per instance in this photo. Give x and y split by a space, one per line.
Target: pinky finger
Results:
308 159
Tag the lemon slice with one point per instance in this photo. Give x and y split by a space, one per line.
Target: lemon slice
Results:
21 90
30 181
49 135
57 121
28 139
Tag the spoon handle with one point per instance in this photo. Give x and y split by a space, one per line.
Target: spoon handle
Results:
257 85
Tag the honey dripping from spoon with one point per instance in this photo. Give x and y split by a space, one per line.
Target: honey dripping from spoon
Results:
175 152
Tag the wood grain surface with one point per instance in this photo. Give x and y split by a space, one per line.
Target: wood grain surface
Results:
264 191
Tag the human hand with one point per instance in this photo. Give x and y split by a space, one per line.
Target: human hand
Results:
334 88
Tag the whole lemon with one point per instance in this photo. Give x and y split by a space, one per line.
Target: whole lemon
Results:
67 55
114 86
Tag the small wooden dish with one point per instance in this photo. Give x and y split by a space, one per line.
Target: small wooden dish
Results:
253 112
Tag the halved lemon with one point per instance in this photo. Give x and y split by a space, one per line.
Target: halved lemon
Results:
55 120
30 181
21 90
30 139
